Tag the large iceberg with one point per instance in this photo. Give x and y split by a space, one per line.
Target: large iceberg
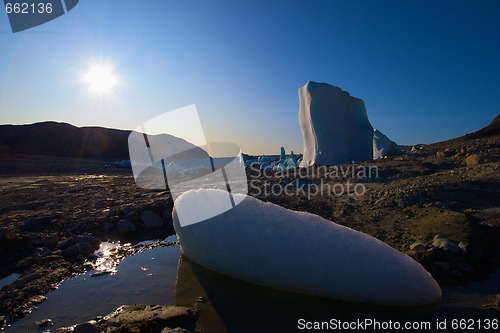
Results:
270 245
335 126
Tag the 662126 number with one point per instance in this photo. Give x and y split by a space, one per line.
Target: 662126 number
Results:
26 8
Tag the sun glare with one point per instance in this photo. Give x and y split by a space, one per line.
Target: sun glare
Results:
100 79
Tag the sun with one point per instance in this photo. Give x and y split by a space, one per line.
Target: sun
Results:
100 79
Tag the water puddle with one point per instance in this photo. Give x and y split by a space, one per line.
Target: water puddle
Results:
230 305
147 278
9 279
475 295
162 276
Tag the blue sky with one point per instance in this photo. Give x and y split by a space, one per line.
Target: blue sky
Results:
427 70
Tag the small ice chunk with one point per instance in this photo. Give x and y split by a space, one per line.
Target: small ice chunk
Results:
383 146
270 245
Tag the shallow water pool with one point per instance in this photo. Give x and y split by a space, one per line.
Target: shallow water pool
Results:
162 276
148 277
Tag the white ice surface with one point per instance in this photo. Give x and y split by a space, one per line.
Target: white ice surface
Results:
267 244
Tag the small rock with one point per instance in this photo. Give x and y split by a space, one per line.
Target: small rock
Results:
127 210
472 159
418 247
50 240
445 244
114 219
41 250
80 258
151 220
402 202
466 268
4 232
126 227
444 153
66 243
2 321
85 249
85 328
114 322
37 224
174 330
463 248
43 322
71 252
37 299
107 226
444 266
462 152
92 241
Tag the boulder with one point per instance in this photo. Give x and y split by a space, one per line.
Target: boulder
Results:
87 327
37 224
383 146
151 220
50 240
3 232
71 252
85 249
92 241
126 227
335 126
445 244
64 244
418 247
473 159
463 248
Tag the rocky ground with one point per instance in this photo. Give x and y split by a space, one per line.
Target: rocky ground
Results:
139 318
438 203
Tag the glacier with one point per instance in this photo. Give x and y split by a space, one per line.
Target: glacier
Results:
267 244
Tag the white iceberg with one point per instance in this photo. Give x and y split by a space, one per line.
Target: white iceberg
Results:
269 245
335 126
383 146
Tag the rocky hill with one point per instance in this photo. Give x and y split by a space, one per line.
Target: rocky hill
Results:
493 129
51 147
67 141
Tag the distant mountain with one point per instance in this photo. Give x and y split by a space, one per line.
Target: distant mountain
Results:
493 129
65 140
